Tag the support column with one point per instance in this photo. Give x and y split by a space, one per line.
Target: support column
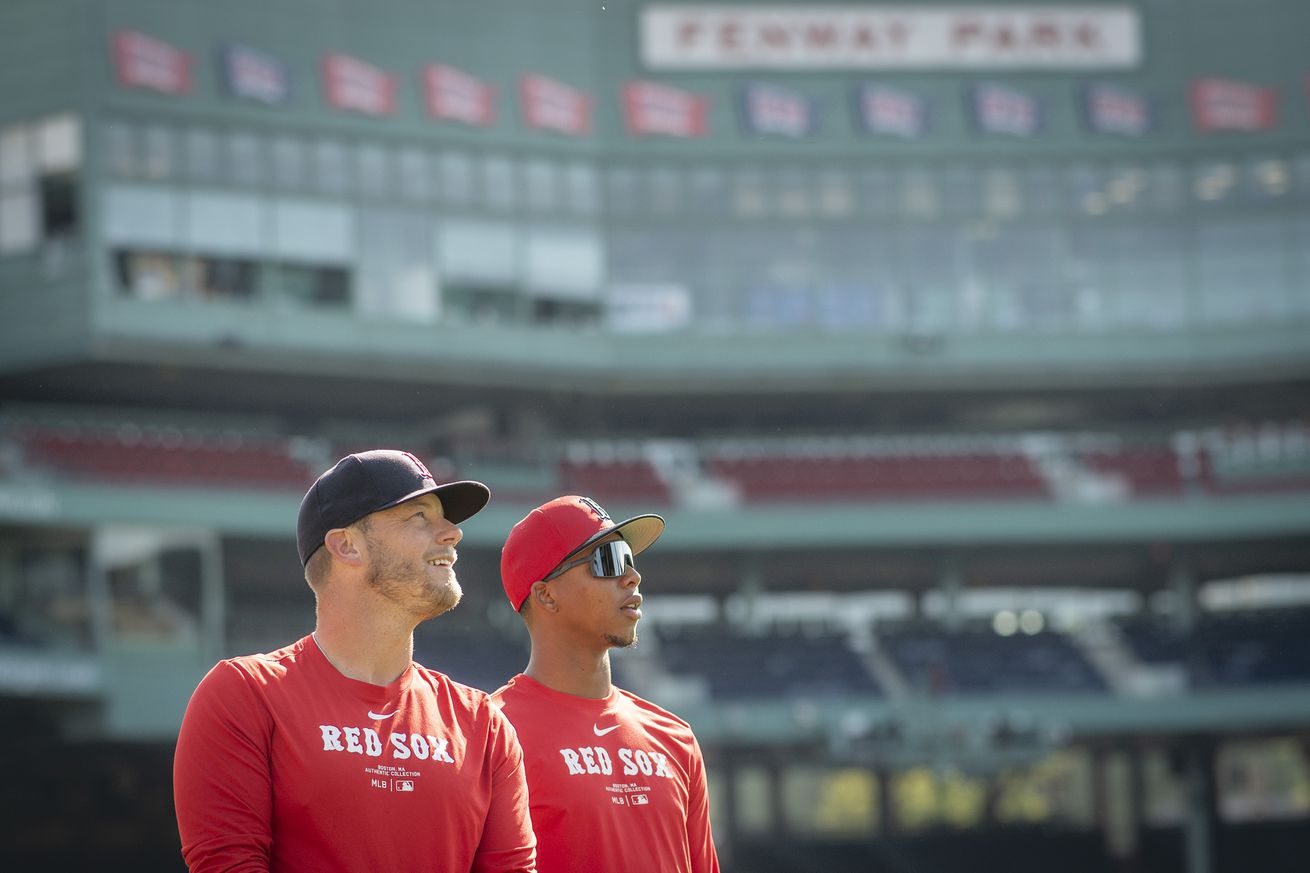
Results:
1187 606
213 600
1117 810
10 579
951 580
1201 824
777 809
743 613
887 825
99 597
725 826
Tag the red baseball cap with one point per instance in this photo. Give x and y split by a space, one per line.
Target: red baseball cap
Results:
556 531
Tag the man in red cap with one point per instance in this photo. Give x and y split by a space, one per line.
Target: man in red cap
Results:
339 752
615 782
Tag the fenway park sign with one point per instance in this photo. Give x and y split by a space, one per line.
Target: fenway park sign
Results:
890 37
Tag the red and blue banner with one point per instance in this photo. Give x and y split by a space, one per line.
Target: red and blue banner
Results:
358 86
1222 104
454 95
885 110
142 61
1115 109
251 74
551 105
776 111
1000 109
654 109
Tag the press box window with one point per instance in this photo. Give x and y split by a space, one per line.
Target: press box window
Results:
542 185
121 154
581 189
221 278
288 163
149 275
373 170
245 159
58 142
455 171
159 152
499 183
19 230
486 304
311 285
331 173
573 313
203 162
153 275
19 226
416 177
58 205
621 191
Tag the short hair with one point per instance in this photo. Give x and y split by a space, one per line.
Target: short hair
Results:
319 565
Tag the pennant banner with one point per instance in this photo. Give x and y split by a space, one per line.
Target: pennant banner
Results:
1111 109
1221 104
552 105
357 86
254 75
1004 110
768 109
145 62
881 109
454 95
654 109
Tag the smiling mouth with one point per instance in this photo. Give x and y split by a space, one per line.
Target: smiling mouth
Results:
442 562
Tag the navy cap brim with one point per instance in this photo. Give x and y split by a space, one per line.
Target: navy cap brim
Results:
460 501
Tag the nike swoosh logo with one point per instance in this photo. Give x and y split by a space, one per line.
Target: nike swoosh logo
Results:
600 732
378 716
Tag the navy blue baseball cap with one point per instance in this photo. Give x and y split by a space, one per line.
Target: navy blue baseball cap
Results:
369 481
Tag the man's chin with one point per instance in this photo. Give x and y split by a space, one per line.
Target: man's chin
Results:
444 599
624 642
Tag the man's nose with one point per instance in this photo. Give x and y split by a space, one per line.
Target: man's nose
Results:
449 534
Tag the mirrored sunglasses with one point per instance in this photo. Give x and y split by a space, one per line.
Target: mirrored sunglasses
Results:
609 561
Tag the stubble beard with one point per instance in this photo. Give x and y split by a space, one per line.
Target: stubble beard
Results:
405 582
619 642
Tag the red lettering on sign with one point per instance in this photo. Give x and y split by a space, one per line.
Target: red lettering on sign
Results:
821 35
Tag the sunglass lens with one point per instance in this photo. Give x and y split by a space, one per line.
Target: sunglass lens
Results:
612 559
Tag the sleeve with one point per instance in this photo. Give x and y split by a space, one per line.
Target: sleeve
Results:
222 785
508 844
700 841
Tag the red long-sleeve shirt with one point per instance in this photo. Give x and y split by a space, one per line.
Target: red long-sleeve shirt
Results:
614 784
285 764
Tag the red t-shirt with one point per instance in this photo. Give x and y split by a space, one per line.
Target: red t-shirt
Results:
284 764
616 784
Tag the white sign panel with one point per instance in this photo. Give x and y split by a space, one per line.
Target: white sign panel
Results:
890 37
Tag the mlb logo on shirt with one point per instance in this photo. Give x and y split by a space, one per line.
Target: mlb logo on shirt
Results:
404 785
640 800
620 801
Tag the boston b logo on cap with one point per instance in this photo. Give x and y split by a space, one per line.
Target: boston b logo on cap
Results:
596 508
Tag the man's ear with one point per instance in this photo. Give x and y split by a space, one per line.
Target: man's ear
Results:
344 546
543 597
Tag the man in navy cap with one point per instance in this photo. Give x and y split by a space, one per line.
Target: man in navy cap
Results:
339 752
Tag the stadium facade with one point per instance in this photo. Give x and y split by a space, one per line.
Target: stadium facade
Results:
964 346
